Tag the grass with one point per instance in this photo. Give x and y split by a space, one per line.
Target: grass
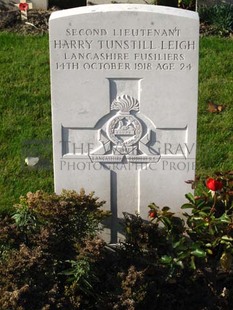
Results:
25 115
26 122
215 130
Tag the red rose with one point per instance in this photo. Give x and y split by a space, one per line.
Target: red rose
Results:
152 214
214 185
23 6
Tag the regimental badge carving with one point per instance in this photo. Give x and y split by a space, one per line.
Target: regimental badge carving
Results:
124 129
124 135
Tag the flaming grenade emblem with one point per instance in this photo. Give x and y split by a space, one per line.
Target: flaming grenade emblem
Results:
124 130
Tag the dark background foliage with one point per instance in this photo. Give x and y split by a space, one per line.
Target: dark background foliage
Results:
66 4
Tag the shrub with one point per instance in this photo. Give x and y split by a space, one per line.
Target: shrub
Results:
169 262
51 257
191 257
218 19
39 242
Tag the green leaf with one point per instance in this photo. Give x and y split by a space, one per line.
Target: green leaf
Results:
190 197
153 206
203 214
165 259
225 218
177 244
197 218
187 206
199 253
167 222
165 209
179 263
202 203
192 263
205 209
183 255
226 238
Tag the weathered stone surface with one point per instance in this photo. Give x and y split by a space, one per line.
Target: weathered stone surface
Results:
124 103
93 2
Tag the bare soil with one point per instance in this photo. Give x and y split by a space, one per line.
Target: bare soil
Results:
38 20
36 23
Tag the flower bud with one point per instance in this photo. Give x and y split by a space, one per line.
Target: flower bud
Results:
214 185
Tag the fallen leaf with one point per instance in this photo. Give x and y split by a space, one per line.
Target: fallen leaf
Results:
215 108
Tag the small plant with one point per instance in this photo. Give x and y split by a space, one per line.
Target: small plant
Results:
39 245
211 220
190 252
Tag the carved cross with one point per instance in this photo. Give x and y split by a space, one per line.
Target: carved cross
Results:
121 149
24 6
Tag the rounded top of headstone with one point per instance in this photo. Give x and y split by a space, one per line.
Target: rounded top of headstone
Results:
125 7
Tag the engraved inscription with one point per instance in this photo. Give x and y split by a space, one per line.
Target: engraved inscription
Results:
124 50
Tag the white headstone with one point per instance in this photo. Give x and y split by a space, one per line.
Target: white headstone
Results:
124 104
94 2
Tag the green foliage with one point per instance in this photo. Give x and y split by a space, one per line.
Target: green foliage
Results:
24 218
187 4
184 4
219 17
197 251
51 257
210 222
39 246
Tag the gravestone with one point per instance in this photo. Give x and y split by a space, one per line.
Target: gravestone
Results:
124 104
94 2
173 3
